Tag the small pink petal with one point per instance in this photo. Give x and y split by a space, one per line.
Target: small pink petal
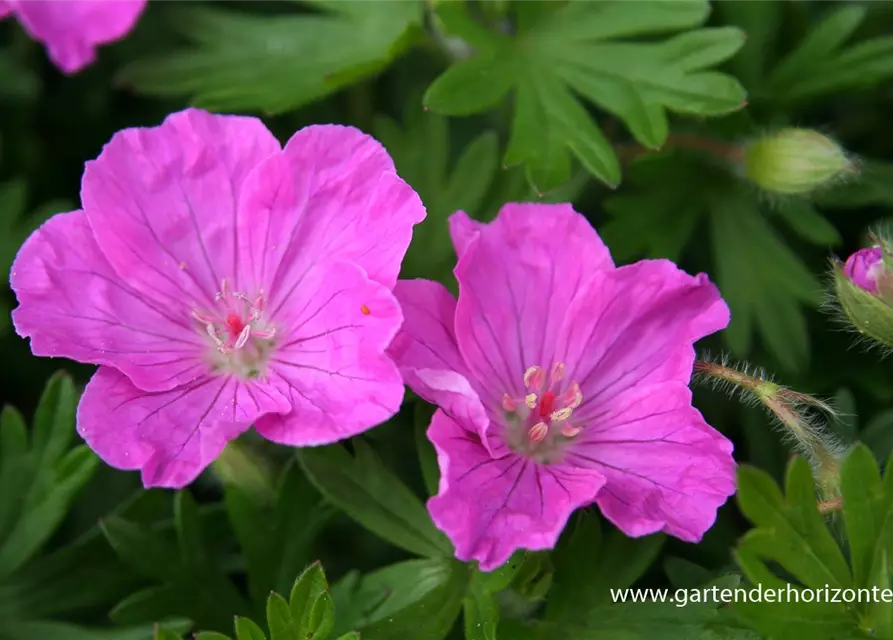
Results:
171 436
332 366
73 29
491 507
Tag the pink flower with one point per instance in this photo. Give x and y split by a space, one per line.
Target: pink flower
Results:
222 281
73 29
865 267
562 381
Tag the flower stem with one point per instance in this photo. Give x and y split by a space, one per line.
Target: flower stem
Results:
718 148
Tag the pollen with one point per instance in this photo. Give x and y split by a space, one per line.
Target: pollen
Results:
538 421
365 310
238 331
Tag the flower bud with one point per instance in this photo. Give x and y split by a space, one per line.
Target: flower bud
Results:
795 161
865 267
865 310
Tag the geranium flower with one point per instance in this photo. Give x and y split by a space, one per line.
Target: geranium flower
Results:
73 29
562 380
222 281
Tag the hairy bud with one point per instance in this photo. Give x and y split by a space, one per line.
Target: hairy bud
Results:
795 161
863 287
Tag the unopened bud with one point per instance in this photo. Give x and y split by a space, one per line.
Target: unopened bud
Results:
862 289
795 161
865 268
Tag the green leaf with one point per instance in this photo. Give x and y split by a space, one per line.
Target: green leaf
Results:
589 565
166 634
685 574
878 434
808 223
280 619
193 551
276 539
322 617
33 630
762 280
701 618
147 553
416 598
370 494
481 613
308 589
241 61
247 630
577 49
422 155
46 480
872 185
350 635
211 635
821 65
789 530
501 577
422 414
863 512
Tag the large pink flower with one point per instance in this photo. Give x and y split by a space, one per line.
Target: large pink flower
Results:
222 281
562 381
73 29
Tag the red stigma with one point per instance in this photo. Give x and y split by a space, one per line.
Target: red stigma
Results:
547 404
234 323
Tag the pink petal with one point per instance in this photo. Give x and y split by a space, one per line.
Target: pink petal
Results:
72 29
427 354
331 194
172 435
516 281
490 507
463 230
72 304
332 363
636 325
5 9
666 469
162 201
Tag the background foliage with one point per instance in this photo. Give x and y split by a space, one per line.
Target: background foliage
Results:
479 103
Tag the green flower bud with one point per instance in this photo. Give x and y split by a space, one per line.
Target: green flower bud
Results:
795 161
868 313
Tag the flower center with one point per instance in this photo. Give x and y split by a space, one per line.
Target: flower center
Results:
237 329
539 423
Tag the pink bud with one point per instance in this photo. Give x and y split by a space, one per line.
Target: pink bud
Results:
865 267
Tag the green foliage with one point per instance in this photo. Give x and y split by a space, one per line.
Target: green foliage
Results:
242 61
791 533
370 494
422 155
580 48
674 194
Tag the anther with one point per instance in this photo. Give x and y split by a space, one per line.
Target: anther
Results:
508 403
243 337
557 372
562 414
534 377
570 431
530 400
538 432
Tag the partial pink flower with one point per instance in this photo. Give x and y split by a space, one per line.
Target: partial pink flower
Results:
72 30
561 381
222 281
865 267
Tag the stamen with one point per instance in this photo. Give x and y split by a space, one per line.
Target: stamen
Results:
264 334
212 333
557 372
534 378
224 290
202 318
570 431
530 400
573 397
538 432
508 403
562 414
243 337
